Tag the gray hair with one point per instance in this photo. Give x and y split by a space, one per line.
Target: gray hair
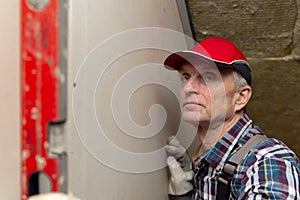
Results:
239 81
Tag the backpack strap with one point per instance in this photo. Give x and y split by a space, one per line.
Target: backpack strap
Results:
226 175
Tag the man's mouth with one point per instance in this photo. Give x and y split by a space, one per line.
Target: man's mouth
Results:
191 105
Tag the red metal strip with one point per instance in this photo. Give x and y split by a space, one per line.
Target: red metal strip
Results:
39 89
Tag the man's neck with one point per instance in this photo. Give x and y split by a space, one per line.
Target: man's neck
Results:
210 134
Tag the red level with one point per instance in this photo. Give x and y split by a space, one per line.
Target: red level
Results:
39 92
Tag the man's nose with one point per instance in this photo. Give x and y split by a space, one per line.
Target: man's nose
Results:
191 86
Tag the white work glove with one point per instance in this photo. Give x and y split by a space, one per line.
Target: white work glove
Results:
181 168
176 150
53 196
179 181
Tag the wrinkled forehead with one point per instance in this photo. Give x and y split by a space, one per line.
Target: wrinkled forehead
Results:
198 65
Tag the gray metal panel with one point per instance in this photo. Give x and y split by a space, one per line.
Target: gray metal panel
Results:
185 20
63 57
91 23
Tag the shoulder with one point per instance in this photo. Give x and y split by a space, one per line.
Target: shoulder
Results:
270 168
273 151
270 148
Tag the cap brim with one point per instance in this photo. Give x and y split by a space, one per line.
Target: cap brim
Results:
175 60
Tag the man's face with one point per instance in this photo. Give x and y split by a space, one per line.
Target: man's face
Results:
207 94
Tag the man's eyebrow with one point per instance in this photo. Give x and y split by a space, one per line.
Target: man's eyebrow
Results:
209 71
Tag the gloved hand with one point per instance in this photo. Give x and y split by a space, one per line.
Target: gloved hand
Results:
179 181
176 150
53 196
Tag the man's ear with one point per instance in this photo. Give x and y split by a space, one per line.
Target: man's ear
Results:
243 96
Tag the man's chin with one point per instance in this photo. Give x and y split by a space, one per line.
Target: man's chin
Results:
193 119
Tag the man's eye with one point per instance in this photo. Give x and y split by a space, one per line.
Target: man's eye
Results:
209 78
184 77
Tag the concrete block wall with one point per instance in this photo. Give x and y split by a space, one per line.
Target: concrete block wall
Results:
268 32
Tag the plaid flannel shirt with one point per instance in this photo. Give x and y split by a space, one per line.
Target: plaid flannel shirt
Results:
270 171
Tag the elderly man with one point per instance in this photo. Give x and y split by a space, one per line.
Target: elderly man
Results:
216 87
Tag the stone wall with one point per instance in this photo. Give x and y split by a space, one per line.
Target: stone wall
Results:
268 32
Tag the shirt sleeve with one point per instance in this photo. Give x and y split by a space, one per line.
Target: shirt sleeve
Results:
272 178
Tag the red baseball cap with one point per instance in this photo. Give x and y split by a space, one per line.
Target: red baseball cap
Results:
222 52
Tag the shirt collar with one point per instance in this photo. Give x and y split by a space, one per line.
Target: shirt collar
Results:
217 155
